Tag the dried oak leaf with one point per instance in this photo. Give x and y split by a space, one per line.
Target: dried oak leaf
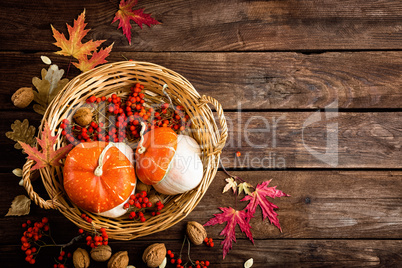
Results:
22 131
232 217
74 47
97 58
126 13
259 198
20 206
47 87
48 156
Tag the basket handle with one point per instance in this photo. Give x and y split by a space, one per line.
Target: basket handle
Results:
26 176
222 122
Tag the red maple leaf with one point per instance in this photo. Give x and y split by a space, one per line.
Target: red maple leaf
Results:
126 13
48 156
232 217
97 58
74 47
259 197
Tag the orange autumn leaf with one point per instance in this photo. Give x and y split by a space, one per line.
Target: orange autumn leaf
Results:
74 47
48 156
126 13
97 58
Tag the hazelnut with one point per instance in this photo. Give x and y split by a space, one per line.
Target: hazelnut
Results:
154 254
101 253
22 97
196 232
81 258
142 187
154 197
118 260
83 116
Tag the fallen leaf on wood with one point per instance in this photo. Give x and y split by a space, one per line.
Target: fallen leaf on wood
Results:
259 198
47 87
74 47
20 206
22 131
249 263
97 58
232 217
231 183
17 172
245 186
48 156
126 13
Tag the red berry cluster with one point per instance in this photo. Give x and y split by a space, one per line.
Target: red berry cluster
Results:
62 259
209 242
98 239
179 261
201 264
140 202
31 235
129 115
86 218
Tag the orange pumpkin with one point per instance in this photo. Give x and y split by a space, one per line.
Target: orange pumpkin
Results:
170 163
160 146
99 178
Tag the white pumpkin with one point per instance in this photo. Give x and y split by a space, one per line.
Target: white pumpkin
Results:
169 162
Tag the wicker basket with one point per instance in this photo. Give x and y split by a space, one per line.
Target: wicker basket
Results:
117 78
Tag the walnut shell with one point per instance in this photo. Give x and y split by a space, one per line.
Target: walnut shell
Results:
22 97
154 254
118 260
81 258
101 253
196 232
83 116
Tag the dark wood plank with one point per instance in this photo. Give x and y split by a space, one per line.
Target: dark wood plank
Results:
265 253
322 205
274 140
197 26
254 80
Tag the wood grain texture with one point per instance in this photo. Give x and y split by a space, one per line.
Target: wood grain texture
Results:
322 205
268 253
275 140
253 80
214 25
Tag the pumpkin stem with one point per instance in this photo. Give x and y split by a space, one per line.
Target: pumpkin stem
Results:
141 148
165 86
98 171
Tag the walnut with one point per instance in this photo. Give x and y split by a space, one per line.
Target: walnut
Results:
83 116
81 258
22 97
154 254
118 260
101 253
196 232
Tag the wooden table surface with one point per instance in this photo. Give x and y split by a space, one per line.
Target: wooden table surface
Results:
272 65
